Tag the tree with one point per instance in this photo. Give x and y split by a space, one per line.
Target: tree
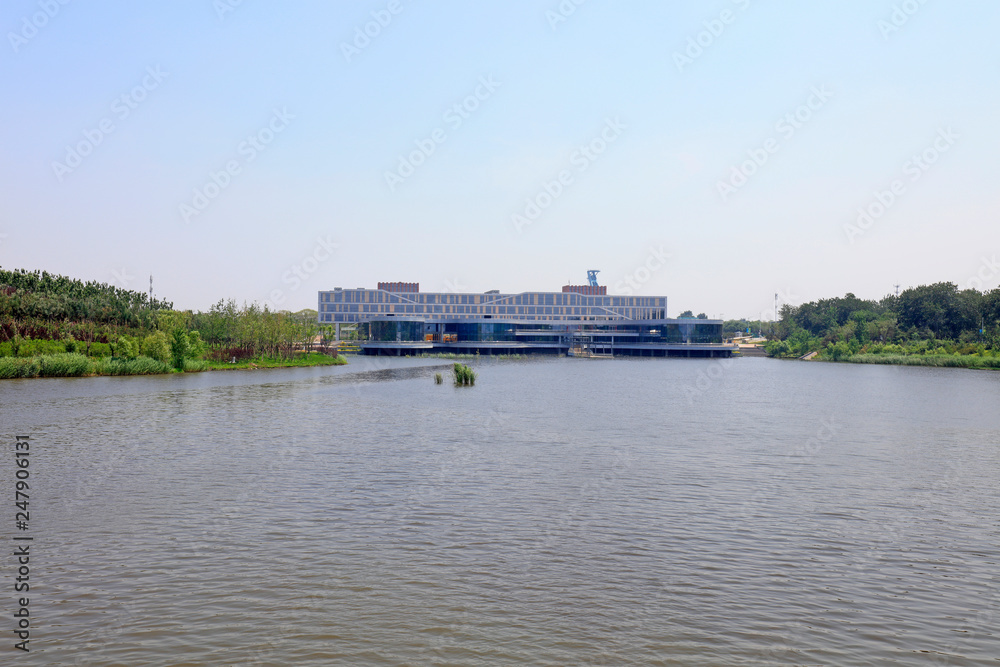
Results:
686 313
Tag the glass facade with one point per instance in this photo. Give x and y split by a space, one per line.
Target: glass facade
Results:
526 319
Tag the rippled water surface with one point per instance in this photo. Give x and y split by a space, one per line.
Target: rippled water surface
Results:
560 512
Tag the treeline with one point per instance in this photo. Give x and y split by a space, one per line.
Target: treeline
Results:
252 330
39 295
938 318
46 314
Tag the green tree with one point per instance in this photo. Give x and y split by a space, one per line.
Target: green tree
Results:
156 346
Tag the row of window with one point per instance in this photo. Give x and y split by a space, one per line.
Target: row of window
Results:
512 311
526 299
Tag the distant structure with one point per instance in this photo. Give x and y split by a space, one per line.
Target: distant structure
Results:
401 288
591 288
583 320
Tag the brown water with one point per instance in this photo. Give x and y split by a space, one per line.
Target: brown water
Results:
560 512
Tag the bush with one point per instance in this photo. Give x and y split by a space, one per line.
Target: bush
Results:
33 348
99 350
156 346
6 349
67 364
126 347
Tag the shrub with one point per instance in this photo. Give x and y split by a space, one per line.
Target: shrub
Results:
179 348
32 348
156 346
99 350
126 347
438 379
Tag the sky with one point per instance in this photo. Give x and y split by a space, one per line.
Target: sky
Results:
719 153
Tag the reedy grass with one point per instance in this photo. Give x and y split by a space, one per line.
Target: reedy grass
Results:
137 366
14 367
66 364
936 360
464 376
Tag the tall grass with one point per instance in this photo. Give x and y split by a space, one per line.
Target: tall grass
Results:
64 364
67 364
464 376
195 365
13 367
937 360
137 366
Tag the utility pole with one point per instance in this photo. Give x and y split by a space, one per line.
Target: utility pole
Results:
775 306
897 289
150 290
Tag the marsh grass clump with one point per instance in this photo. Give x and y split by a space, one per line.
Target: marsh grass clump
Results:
195 365
438 378
66 364
137 366
13 367
464 376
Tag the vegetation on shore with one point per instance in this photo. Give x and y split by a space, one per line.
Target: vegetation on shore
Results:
930 325
54 326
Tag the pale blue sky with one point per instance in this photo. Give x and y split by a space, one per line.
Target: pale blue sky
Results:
336 124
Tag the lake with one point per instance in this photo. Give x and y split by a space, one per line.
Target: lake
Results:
560 512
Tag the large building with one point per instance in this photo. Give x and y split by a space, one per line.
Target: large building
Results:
400 319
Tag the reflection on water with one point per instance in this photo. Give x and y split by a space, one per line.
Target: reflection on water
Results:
559 512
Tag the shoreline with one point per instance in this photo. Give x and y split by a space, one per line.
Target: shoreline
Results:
69 364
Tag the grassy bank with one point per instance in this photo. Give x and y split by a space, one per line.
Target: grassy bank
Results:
937 360
306 359
71 364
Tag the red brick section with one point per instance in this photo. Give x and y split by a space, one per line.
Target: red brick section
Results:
589 290
399 287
